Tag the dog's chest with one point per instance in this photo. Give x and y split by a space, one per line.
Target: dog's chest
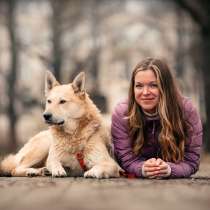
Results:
70 160
67 152
71 164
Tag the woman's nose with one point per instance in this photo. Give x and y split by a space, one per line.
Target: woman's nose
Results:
145 90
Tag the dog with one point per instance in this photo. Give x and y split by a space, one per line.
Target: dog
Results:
76 143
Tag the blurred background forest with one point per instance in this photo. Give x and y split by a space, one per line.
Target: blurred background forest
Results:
104 38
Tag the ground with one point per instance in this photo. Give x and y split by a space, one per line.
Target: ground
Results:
123 194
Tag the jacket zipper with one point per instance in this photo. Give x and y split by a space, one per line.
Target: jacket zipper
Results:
153 133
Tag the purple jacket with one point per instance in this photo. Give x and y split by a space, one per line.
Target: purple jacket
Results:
133 163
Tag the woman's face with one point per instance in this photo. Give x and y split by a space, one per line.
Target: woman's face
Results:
146 90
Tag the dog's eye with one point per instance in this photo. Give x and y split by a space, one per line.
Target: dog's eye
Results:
62 102
49 101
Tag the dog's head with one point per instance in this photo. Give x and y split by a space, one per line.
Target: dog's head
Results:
64 103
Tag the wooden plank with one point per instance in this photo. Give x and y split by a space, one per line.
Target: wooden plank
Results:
84 194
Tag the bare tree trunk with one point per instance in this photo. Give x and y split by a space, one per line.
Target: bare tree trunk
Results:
96 94
180 43
205 68
56 38
12 76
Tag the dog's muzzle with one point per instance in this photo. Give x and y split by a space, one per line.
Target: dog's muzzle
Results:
51 121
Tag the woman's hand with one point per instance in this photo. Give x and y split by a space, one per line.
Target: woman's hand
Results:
150 168
155 168
165 169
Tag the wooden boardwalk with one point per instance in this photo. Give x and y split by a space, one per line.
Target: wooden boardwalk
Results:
113 194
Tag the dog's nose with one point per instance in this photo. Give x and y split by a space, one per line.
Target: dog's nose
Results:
47 116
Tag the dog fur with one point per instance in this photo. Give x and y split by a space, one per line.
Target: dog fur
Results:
75 126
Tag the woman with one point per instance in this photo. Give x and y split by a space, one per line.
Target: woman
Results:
157 132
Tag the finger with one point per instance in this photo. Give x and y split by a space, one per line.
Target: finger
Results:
162 172
159 161
151 169
151 160
150 164
162 167
152 173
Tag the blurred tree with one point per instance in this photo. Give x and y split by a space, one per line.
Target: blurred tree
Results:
56 21
180 52
65 16
200 13
12 75
95 20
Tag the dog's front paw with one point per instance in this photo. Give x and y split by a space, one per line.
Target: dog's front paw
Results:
45 172
96 172
58 172
33 172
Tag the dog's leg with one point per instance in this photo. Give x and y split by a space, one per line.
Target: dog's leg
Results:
24 171
33 153
53 164
104 169
26 166
55 168
103 166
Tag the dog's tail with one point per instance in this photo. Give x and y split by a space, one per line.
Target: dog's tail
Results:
7 165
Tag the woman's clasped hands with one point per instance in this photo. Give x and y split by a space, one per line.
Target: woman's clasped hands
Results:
155 168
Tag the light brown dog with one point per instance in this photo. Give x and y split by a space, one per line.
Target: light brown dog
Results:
77 138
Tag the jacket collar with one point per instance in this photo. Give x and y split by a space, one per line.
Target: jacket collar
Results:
149 118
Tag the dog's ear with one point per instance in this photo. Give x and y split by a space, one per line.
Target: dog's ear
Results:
50 82
78 83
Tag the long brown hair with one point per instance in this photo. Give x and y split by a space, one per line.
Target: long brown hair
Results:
173 127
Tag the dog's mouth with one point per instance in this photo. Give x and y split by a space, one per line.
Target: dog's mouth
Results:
50 122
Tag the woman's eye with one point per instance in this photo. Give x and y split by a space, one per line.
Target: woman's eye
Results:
49 101
138 86
62 102
154 85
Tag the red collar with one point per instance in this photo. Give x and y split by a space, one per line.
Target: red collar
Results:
80 158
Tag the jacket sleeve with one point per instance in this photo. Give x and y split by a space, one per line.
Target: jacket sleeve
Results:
122 143
193 144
